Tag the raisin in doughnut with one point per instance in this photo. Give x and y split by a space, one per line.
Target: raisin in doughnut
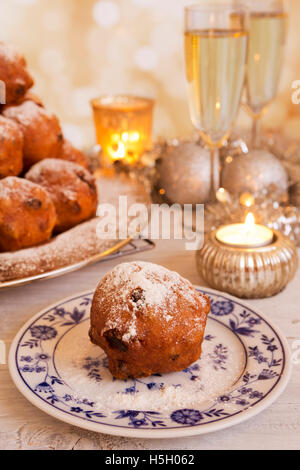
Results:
71 187
11 148
41 129
148 320
72 154
14 73
27 214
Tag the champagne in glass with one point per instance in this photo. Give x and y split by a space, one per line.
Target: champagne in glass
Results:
216 40
215 70
267 33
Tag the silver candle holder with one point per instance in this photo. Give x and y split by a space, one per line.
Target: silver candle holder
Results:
255 272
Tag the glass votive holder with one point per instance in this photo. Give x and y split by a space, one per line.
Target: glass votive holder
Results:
123 127
250 273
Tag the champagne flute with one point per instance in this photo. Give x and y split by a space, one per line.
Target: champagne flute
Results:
267 33
216 40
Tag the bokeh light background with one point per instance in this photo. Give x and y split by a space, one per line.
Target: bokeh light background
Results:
78 49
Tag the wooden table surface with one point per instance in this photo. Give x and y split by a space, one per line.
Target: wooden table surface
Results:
22 426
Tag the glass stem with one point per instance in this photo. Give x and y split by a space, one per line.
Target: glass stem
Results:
214 172
255 132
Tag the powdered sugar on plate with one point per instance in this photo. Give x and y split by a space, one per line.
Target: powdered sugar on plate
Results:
84 370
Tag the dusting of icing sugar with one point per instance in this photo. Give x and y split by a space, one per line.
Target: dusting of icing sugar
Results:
157 283
178 390
137 285
131 333
14 187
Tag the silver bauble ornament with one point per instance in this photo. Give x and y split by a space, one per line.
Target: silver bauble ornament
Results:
254 172
183 173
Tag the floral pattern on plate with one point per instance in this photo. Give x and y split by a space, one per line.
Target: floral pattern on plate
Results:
35 368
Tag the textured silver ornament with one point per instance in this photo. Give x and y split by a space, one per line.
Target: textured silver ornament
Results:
183 173
254 172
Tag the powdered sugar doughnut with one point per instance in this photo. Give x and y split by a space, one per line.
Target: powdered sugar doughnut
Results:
41 130
13 72
72 189
148 320
27 214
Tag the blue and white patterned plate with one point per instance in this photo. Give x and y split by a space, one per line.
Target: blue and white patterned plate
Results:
244 367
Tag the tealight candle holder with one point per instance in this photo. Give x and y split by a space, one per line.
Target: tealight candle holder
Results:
123 127
247 272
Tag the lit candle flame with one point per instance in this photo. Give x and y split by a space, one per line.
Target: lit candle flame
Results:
249 224
123 144
117 150
125 136
134 137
